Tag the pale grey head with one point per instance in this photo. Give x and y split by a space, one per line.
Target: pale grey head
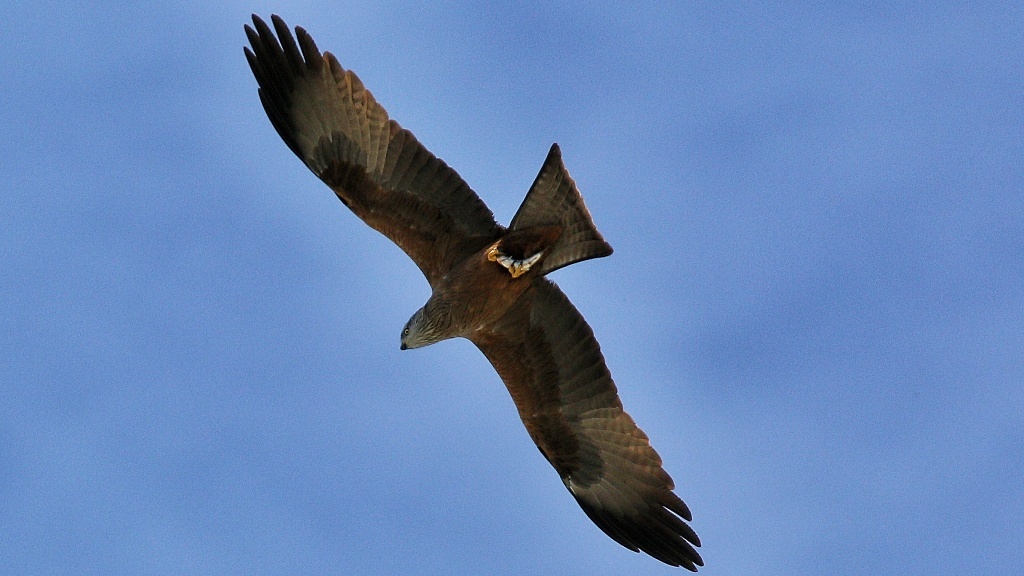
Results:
427 326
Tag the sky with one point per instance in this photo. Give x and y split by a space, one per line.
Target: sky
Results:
815 308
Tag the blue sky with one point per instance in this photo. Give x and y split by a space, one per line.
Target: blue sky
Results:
815 307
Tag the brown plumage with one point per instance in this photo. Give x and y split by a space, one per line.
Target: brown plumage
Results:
487 283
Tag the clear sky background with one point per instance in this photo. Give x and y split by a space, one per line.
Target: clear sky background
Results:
815 308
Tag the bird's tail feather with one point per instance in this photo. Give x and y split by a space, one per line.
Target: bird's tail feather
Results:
554 200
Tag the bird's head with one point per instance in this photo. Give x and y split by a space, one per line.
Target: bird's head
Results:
423 329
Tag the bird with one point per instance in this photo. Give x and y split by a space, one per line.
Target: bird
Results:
488 282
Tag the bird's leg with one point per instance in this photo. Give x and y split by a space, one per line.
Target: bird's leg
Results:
515 267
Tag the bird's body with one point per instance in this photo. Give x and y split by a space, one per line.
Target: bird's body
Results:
480 289
488 283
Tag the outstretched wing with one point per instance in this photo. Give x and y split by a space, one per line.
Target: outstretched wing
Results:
377 168
553 367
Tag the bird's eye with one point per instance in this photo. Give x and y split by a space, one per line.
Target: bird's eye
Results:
405 332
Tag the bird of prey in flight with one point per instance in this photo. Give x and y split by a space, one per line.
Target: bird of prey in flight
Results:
488 283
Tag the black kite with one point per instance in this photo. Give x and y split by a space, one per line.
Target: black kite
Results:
488 283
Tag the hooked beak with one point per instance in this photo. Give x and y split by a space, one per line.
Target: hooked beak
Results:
403 346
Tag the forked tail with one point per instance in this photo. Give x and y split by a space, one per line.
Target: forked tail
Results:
553 200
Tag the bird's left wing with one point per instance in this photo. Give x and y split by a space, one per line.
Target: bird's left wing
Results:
377 168
551 363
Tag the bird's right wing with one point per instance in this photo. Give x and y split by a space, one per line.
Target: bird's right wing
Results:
377 168
551 363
